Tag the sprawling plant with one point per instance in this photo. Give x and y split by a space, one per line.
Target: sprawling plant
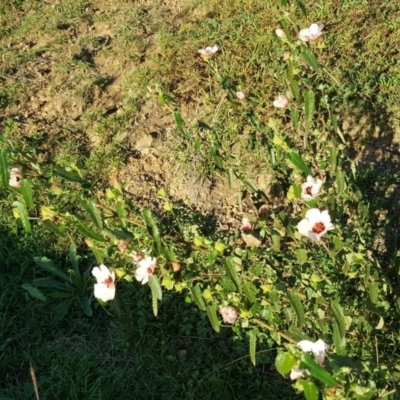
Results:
303 275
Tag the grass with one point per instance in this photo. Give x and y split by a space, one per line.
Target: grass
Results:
72 89
122 352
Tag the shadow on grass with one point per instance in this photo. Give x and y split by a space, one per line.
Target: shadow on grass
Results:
374 145
123 351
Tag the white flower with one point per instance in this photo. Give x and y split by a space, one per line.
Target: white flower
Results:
104 289
229 314
319 349
146 269
280 33
240 95
15 177
315 224
311 33
281 102
311 188
208 51
296 373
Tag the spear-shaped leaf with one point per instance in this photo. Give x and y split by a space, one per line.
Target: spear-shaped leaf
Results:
231 269
93 212
49 266
4 169
212 316
23 214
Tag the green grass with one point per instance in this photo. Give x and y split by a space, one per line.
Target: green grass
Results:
122 351
52 53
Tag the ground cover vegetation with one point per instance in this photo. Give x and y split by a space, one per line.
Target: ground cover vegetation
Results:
199 200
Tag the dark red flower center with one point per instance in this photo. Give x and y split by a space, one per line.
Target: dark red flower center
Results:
108 281
318 228
150 270
309 190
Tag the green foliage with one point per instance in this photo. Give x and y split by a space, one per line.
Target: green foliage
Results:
284 288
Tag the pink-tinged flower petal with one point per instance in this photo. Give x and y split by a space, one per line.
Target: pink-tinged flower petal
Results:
15 177
281 102
240 95
123 245
280 33
246 225
229 314
319 350
145 269
136 256
296 373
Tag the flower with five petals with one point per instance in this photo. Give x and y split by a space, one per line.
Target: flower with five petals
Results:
315 224
145 269
104 289
311 188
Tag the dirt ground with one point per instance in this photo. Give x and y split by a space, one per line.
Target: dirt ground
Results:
51 109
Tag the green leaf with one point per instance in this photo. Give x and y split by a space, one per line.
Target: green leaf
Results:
340 181
298 308
179 121
155 304
310 59
231 269
295 118
53 227
26 191
250 291
86 306
302 256
253 344
94 213
296 334
62 309
155 287
48 265
73 258
373 292
337 312
284 362
295 158
87 231
309 105
336 128
318 372
294 86
71 176
311 391
51 284
34 292
152 226
230 178
23 214
198 298
4 168
338 341
333 156
212 316
121 214
302 7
